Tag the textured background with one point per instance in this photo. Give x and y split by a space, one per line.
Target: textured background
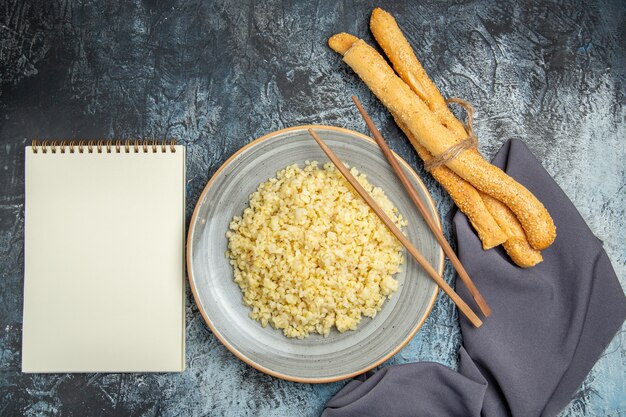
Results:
217 74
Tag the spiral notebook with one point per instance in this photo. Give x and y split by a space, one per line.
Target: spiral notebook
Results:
104 271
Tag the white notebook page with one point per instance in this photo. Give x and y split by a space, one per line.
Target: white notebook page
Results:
104 262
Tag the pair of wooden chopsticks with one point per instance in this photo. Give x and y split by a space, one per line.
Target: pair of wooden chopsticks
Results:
463 307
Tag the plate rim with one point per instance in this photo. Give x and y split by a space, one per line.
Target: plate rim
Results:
429 202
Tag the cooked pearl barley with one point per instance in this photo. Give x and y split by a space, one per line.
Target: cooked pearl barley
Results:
310 254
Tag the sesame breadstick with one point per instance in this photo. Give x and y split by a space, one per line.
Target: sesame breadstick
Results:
341 42
436 138
464 195
405 63
516 244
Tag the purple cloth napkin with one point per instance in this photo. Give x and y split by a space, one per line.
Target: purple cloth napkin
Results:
549 324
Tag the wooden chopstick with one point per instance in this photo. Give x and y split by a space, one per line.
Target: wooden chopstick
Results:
464 308
480 301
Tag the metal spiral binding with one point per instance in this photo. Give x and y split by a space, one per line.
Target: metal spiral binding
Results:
104 146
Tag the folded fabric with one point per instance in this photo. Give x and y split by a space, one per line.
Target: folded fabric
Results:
550 323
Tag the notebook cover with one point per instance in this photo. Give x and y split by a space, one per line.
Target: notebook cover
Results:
104 286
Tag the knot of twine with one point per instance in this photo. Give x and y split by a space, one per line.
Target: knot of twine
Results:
471 141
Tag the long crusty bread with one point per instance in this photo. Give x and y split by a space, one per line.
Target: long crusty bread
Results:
436 138
398 50
462 193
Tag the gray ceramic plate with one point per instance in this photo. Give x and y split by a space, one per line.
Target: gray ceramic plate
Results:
219 299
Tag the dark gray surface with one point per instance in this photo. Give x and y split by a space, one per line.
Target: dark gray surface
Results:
215 75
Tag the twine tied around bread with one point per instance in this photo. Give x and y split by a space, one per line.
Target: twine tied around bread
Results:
471 141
